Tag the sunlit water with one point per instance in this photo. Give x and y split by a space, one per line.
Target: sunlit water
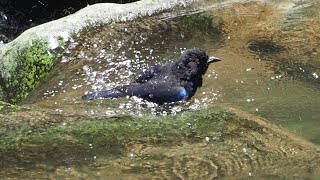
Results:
268 68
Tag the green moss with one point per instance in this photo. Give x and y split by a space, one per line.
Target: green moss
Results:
33 63
201 28
6 107
112 134
203 22
61 42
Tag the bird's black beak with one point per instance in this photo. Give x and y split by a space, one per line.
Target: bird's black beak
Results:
213 59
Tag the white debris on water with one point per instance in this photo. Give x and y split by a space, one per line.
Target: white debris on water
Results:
207 139
250 100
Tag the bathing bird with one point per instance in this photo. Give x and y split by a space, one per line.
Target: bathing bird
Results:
164 83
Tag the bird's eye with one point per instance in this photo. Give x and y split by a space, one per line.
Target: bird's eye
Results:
197 61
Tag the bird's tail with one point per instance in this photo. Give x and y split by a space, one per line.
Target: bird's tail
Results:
108 94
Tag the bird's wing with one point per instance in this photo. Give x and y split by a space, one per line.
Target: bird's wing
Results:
185 71
157 70
107 94
158 93
146 74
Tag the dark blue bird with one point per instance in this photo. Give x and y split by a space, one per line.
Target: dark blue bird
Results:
170 82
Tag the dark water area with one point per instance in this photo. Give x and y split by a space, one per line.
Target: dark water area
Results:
270 68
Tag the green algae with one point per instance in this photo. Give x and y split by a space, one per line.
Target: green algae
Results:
203 21
110 133
33 64
6 107
202 26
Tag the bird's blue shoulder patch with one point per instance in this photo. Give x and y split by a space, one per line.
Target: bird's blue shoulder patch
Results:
183 95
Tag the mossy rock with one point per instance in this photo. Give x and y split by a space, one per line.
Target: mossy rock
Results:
107 130
6 107
214 137
37 140
33 64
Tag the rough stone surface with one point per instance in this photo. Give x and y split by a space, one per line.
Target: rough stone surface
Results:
17 16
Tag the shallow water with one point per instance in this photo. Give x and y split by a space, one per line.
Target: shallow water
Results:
270 67
255 73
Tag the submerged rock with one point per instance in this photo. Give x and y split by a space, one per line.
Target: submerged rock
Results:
210 143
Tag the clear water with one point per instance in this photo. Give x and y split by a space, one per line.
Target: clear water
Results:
270 67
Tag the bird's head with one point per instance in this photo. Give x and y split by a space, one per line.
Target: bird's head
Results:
198 58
